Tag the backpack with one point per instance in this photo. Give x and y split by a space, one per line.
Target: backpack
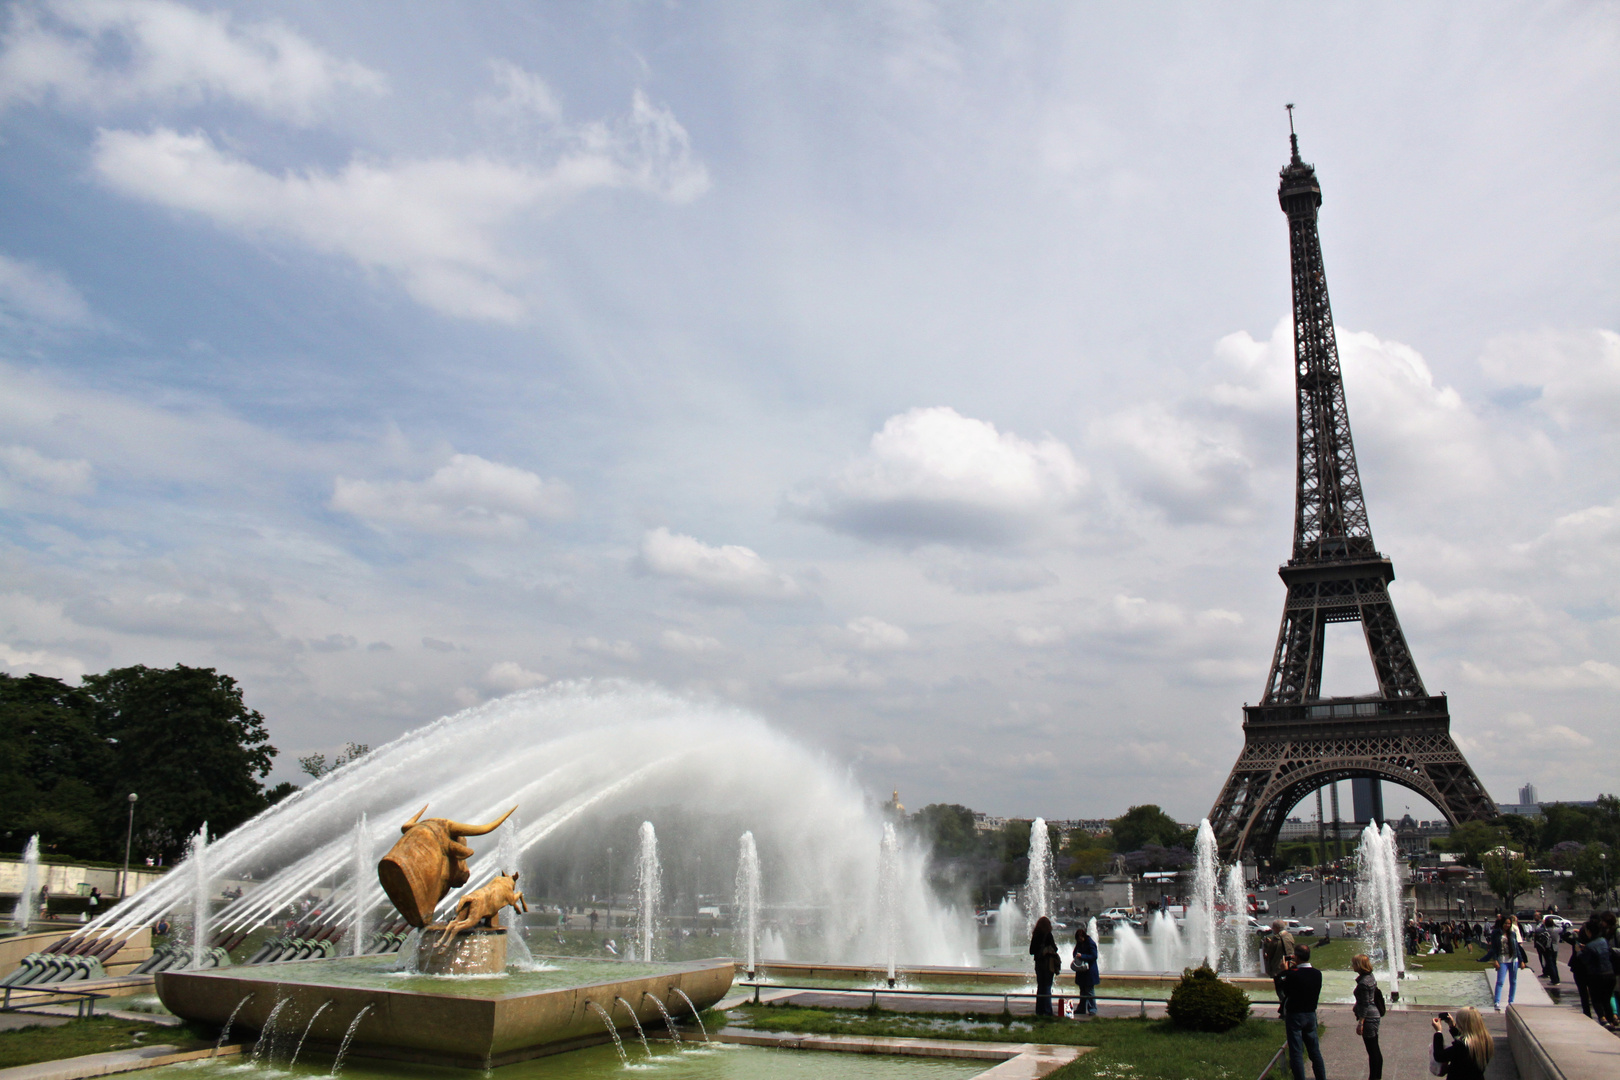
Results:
1378 1000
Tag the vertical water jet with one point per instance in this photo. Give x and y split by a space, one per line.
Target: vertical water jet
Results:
747 899
649 891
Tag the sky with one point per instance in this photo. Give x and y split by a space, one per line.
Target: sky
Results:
914 375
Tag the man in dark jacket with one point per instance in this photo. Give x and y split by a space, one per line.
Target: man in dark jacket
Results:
1298 987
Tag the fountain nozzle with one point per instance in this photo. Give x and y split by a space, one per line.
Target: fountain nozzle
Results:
891 984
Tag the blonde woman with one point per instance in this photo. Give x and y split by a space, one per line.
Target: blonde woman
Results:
1367 1014
1471 1046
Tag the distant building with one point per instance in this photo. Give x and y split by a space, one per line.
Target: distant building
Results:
1527 794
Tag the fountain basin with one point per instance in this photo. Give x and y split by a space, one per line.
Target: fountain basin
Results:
472 1021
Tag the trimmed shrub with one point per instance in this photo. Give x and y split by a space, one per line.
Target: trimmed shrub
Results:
1202 1002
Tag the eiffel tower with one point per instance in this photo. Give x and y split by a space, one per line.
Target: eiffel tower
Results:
1295 740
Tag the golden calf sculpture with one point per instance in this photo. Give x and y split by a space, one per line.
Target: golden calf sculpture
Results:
483 904
428 861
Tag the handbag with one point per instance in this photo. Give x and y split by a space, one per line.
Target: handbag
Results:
1435 1067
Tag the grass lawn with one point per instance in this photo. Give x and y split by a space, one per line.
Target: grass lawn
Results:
1127 1046
1336 955
94 1035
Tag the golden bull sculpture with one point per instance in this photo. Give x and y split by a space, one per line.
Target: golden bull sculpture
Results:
480 906
427 862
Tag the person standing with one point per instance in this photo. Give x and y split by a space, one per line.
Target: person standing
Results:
1369 1011
1277 947
1599 955
1508 949
1547 939
1578 967
1471 1048
1299 986
1043 947
1086 975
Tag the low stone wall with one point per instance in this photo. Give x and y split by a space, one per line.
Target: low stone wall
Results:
1555 1043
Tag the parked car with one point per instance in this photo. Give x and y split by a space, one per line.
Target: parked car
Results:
1299 929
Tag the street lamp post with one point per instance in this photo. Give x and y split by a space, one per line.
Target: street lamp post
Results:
610 891
129 834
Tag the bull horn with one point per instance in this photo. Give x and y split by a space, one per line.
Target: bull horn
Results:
459 829
405 828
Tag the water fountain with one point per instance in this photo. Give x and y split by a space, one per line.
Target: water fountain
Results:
1009 931
649 891
23 914
888 897
1379 888
1245 960
363 862
1203 926
585 754
1041 884
1215 927
197 856
747 900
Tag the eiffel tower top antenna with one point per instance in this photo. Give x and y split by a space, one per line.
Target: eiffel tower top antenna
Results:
1293 140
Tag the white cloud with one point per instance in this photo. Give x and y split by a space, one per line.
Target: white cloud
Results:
509 675
611 650
27 466
874 635
679 641
1039 637
727 571
977 572
436 224
1575 375
106 53
468 495
32 293
933 475
1588 674
40 662
1193 471
836 676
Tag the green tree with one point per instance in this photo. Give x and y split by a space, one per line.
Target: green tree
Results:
1472 839
1088 854
53 767
1523 833
948 830
316 764
1143 825
1508 876
186 742
1595 871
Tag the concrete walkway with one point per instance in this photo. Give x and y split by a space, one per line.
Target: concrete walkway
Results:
1405 1038
119 1061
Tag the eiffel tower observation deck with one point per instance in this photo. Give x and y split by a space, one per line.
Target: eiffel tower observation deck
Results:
1295 740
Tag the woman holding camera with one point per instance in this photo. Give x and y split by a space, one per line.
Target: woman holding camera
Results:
1043 947
1471 1046
1367 1014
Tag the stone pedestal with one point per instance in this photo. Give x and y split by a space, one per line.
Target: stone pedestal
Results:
479 951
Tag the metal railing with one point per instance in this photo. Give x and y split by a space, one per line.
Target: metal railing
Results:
1006 996
49 993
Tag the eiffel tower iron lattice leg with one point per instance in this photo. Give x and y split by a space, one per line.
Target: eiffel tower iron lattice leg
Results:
1295 741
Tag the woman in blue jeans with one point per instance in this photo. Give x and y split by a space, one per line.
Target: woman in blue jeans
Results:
1507 949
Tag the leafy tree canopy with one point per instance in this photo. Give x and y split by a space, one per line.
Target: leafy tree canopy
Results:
180 738
1143 825
948 829
1508 877
1472 839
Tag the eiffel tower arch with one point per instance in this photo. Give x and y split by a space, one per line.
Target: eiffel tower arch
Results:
1296 741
